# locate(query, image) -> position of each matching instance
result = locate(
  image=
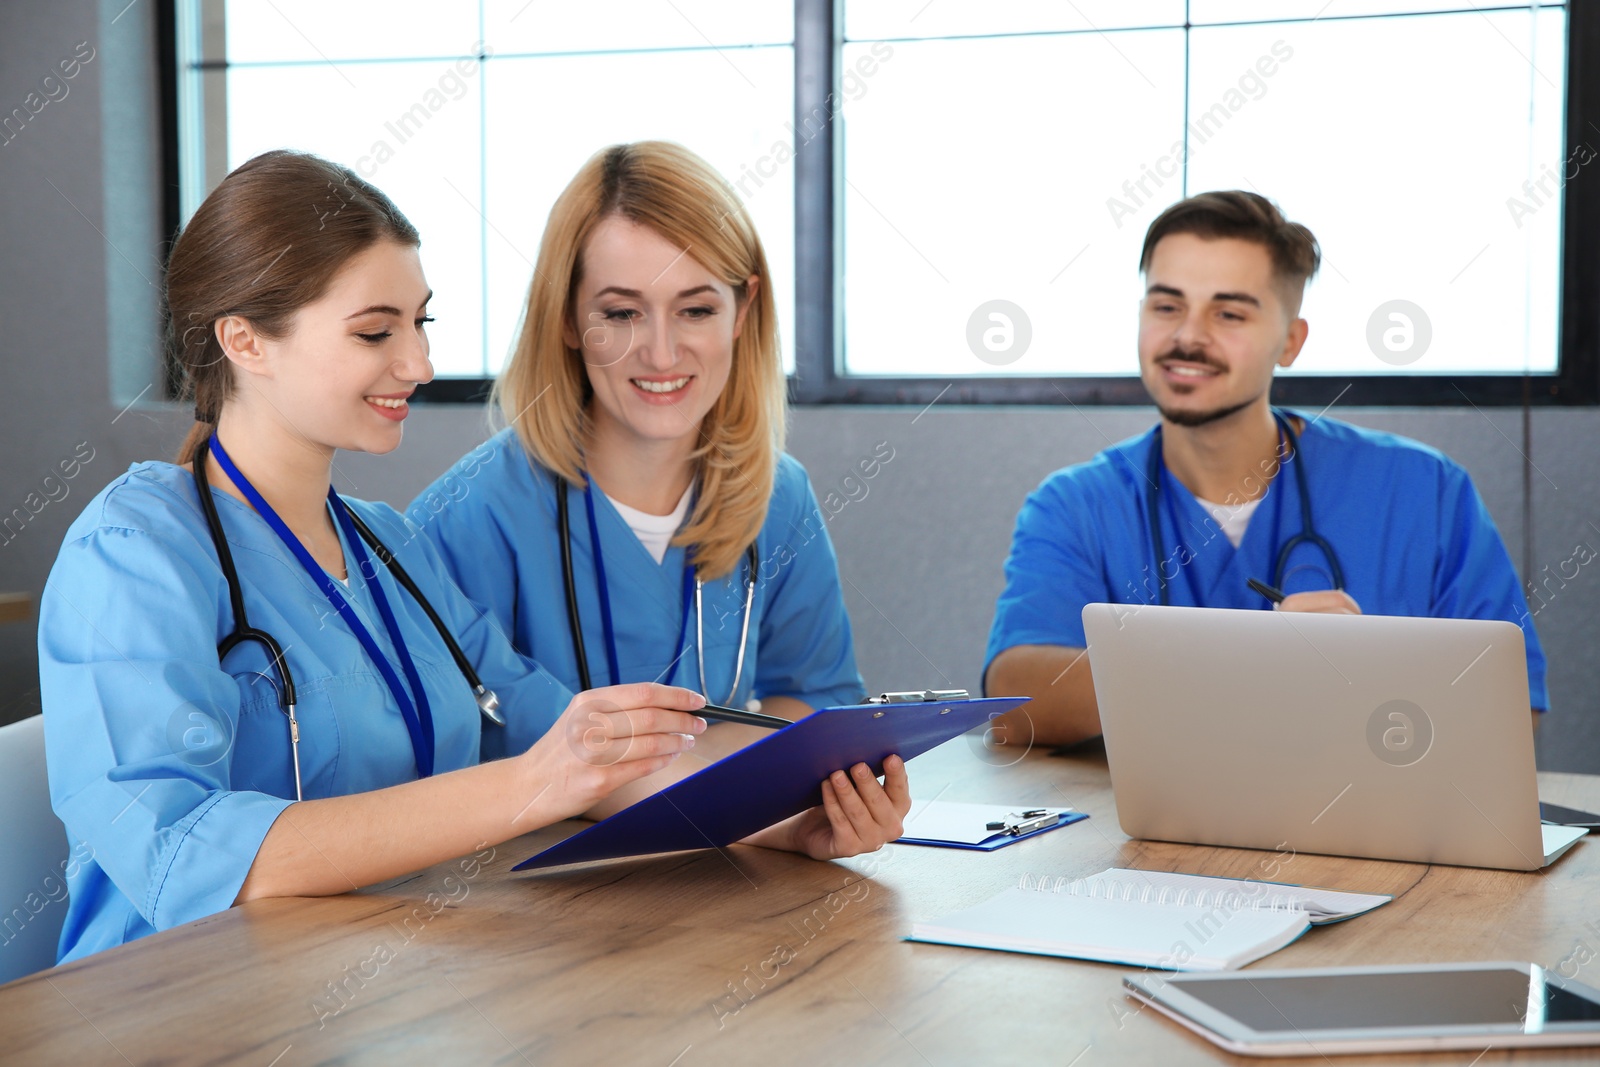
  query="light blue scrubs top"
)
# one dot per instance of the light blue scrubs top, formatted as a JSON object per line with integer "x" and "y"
{"x": 493, "y": 518}
{"x": 1409, "y": 529}
{"x": 171, "y": 766}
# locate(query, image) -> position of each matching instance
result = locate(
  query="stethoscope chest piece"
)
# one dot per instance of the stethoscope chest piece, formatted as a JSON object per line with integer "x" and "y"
{"x": 489, "y": 705}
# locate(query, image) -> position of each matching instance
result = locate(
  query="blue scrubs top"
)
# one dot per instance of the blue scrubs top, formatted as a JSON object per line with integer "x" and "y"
{"x": 1409, "y": 529}
{"x": 493, "y": 518}
{"x": 170, "y": 765}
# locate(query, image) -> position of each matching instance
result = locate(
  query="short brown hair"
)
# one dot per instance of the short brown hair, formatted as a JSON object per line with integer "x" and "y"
{"x": 266, "y": 242}
{"x": 1246, "y": 217}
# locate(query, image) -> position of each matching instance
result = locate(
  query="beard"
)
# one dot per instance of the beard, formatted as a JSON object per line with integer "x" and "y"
{"x": 1198, "y": 418}
{"x": 1202, "y": 418}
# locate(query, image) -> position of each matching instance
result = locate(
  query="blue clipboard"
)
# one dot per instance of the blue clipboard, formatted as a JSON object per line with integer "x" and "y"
{"x": 776, "y": 777}
{"x": 1000, "y": 840}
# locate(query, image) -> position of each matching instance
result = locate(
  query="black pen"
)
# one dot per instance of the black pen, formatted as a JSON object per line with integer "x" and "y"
{"x": 1272, "y": 593}
{"x": 748, "y": 718}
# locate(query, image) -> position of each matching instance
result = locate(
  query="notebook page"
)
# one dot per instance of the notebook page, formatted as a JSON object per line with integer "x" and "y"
{"x": 1320, "y": 905}
{"x": 1113, "y": 931}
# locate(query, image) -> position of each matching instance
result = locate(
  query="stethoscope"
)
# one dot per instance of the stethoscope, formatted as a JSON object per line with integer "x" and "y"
{"x": 418, "y": 725}
{"x": 692, "y": 588}
{"x": 1308, "y": 532}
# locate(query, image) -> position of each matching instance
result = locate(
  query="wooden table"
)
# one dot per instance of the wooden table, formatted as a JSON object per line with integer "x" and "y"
{"x": 15, "y": 607}
{"x": 749, "y": 956}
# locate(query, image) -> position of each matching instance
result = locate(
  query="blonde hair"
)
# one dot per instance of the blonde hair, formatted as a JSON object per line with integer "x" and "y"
{"x": 680, "y": 196}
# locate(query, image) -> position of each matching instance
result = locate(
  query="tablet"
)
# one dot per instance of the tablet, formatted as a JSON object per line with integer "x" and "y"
{"x": 1415, "y": 1007}
{"x": 1556, "y": 815}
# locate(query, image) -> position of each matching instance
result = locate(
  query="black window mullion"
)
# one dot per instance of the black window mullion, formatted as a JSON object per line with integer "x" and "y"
{"x": 1577, "y": 380}
{"x": 817, "y": 47}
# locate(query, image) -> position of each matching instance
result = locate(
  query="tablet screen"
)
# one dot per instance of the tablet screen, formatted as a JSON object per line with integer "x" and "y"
{"x": 1476, "y": 998}
{"x": 1567, "y": 816}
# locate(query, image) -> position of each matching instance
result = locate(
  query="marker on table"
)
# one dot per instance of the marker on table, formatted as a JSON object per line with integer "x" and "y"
{"x": 748, "y": 718}
{"x": 1272, "y": 593}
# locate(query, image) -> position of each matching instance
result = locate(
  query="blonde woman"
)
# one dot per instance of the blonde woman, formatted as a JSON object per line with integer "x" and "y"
{"x": 638, "y": 519}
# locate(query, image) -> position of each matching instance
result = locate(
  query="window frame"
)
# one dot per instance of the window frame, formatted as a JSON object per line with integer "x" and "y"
{"x": 819, "y": 378}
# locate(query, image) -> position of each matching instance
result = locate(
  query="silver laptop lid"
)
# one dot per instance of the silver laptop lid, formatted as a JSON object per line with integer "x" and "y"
{"x": 1352, "y": 735}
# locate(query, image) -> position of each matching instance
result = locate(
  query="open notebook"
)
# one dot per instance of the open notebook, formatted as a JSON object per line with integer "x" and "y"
{"x": 1176, "y": 922}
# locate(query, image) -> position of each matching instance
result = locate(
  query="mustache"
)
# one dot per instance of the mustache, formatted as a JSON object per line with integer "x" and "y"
{"x": 1186, "y": 356}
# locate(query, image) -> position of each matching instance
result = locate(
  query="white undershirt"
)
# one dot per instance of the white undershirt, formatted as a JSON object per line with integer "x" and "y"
{"x": 1232, "y": 518}
{"x": 654, "y": 531}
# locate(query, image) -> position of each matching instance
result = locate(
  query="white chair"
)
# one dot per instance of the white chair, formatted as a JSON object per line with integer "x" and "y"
{"x": 33, "y": 854}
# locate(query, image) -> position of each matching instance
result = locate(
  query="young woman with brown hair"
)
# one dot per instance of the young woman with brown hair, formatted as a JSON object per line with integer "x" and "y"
{"x": 643, "y": 475}
{"x": 297, "y": 309}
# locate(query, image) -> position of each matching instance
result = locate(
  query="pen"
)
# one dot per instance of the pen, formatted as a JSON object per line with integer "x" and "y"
{"x": 748, "y": 718}
{"x": 1038, "y": 822}
{"x": 1272, "y": 593}
{"x": 1037, "y": 819}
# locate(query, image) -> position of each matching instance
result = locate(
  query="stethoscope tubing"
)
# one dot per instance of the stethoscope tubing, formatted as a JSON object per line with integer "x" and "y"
{"x": 575, "y": 620}
{"x": 488, "y": 703}
{"x": 1308, "y": 534}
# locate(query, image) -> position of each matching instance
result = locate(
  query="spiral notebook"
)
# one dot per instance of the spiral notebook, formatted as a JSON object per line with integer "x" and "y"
{"x": 1175, "y": 922}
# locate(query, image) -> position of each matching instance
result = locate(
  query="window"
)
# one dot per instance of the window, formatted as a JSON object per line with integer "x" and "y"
{"x": 474, "y": 116}
{"x": 953, "y": 196}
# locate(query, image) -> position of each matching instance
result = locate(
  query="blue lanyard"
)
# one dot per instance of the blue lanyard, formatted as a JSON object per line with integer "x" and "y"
{"x": 418, "y": 716}
{"x": 605, "y": 595}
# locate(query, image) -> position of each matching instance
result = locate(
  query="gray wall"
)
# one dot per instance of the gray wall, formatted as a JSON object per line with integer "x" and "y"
{"x": 78, "y": 218}
{"x": 920, "y": 553}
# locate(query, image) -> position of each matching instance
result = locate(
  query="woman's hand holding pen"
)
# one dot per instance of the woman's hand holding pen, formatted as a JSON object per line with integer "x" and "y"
{"x": 604, "y": 739}
{"x": 857, "y": 815}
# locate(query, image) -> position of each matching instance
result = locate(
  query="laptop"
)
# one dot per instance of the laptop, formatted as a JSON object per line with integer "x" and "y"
{"x": 1352, "y": 735}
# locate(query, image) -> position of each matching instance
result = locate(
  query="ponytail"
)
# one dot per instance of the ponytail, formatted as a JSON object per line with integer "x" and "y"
{"x": 200, "y": 431}
{"x": 266, "y": 242}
